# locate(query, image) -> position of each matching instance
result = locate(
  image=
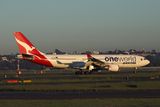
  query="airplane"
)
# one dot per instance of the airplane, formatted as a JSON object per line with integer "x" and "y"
{"x": 84, "y": 63}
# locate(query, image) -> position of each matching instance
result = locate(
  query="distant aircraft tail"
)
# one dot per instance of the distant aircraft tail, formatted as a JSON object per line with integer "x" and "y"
{"x": 28, "y": 51}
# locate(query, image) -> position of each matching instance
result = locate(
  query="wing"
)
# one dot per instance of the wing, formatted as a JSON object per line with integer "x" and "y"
{"x": 100, "y": 64}
{"x": 96, "y": 62}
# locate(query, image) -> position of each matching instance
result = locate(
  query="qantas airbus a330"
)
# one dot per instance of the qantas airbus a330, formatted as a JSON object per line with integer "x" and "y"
{"x": 87, "y": 62}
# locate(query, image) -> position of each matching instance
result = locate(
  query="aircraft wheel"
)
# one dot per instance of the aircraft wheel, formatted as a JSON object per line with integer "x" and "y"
{"x": 79, "y": 72}
{"x": 86, "y": 72}
{"x": 90, "y": 72}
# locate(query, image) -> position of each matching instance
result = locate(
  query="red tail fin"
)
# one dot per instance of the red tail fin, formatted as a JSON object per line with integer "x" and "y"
{"x": 25, "y": 46}
{"x": 29, "y": 52}
{"x": 23, "y": 43}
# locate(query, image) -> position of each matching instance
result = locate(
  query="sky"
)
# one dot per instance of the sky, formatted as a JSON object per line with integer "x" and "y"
{"x": 81, "y": 25}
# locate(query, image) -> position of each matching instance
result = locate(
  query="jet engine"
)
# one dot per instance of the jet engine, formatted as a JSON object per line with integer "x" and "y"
{"x": 113, "y": 68}
{"x": 91, "y": 67}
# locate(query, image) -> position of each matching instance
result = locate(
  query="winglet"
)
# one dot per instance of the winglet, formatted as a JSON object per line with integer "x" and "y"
{"x": 89, "y": 56}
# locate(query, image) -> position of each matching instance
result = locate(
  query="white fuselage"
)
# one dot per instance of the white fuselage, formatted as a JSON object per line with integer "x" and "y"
{"x": 123, "y": 61}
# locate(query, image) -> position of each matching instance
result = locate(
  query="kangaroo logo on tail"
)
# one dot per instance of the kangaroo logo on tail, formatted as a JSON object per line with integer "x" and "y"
{"x": 26, "y": 47}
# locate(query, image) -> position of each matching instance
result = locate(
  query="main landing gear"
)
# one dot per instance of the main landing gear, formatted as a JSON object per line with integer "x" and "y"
{"x": 135, "y": 70}
{"x": 82, "y": 72}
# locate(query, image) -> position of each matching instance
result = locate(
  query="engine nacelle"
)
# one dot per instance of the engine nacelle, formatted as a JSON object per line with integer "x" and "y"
{"x": 113, "y": 68}
{"x": 91, "y": 67}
